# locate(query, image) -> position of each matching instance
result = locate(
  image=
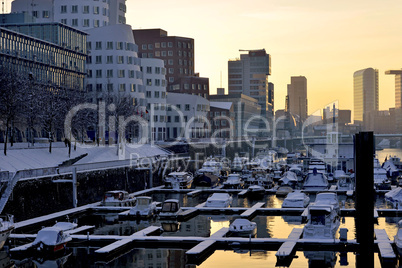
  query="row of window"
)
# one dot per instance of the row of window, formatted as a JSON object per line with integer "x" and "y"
{"x": 110, "y": 87}
{"x": 109, "y": 73}
{"x": 157, "y": 95}
{"x": 109, "y": 59}
{"x": 165, "y": 53}
{"x": 187, "y": 87}
{"x": 169, "y": 44}
{"x": 158, "y": 70}
{"x": 84, "y": 10}
{"x": 111, "y": 45}
{"x": 157, "y": 82}
{"x": 85, "y": 23}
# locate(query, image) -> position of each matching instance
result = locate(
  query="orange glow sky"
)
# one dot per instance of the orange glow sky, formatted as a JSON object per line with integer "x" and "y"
{"x": 326, "y": 41}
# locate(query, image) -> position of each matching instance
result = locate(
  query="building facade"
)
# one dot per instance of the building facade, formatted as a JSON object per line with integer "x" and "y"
{"x": 155, "y": 93}
{"x": 222, "y": 119}
{"x": 249, "y": 76}
{"x": 177, "y": 52}
{"x": 193, "y": 85}
{"x": 365, "y": 93}
{"x": 398, "y": 98}
{"x": 297, "y": 103}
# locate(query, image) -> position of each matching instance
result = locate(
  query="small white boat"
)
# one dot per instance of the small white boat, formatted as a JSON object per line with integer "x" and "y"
{"x": 6, "y": 226}
{"x": 296, "y": 199}
{"x": 233, "y": 181}
{"x": 255, "y": 191}
{"x": 284, "y": 190}
{"x": 289, "y": 178}
{"x": 315, "y": 181}
{"x": 322, "y": 221}
{"x": 211, "y": 166}
{"x": 170, "y": 209}
{"x": 118, "y": 198}
{"x": 395, "y": 197}
{"x": 179, "y": 180}
{"x": 144, "y": 207}
{"x": 329, "y": 198}
{"x": 51, "y": 240}
{"x": 220, "y": 200}
{"x": 398, "y": 238}
{"x": 243, "y": 227}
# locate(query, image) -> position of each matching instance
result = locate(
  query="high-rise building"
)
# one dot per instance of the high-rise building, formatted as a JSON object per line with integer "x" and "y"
{"x": 398, "y": 98}
{"x": 365, "y": 93}
{"x": 297, "y": 97}
{"x": 249, "y": 76}
{"x": 177, "y": 52}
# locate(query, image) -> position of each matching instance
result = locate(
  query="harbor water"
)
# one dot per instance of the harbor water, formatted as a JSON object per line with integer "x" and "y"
{"x": 80, "y": 255}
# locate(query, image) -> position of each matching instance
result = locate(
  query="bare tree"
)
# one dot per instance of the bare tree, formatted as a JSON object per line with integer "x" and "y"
{"x": 12, "y": 87}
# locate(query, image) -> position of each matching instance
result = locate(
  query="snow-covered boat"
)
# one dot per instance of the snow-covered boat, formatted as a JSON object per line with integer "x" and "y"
{"x": 289, "y": 178}
{"x": 297, "y": 169}
{"x": 65, "y": 226}
{"x": 329, "y": 198}
{"x": 398, "y": 238}
{"x": 317, "y": 164}
{"x": 118, "y": 198}
{"x": 392, "y": 170}
{"x": 284, "y": 190}
{"x": 51, "y": 240}
{"x": 238, "y": 164}
{"x": 345, "y": 183}
{"x": 144, "y": 207}
{"x": 395, "y": 197}
{"x": 255, "y": 191}
{"x": 206, "y": 180}
{"x": 220, "y": 200}
{"x": 6, "y": 226}
{"x": 211, "y": 166}
{"x": 381, "y": 181}
{"x": 170, "y": 209}
{"x": 296, "y": 199}
{"x": 243, "y": 227}
{"x": 338, "y": 174}
{"x": 322, "y": 219}
{"x": 315, "y": 181}
{"x": 233, "y": 181}
{"x": 178, "y": 180}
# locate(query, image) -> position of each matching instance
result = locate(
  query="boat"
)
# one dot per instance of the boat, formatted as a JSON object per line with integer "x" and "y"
{"x": 170, "y": 209}
{"x": 6, "y": 227}
{"x": 243, "y": 227}
{"x": 381, "y": 181}
{"x": 289, "y": 178}
{"x": 392, "y": 170}
{"x": 178, "y": 180}
{"x": 144, "y": 207}
{"x": 233, "y": 181}
{"x": 205, "y": 179}
{"x": 65, "y": 226}
{"x": 211, "y": 166}
{"x": 338, "y": 173}
{"x": 261, "y": 177}
{"x": 322, "y": 219}
{"x": 315, "y": 181}
{"x": 238, "y": 164}
{"x": 255, "y": 191}
{"x": 51, "y": 240}
{"x": 317, "y": 164}
{"x": 345, "y": 183}
{"x": 296, "y": 199}
{"x": 394, "y": 197}
{"x": 219, "y": 200}
{"x": 329, "y": 198}
{"x": 118, "y": 198}
{"x": 297, "y": 170}
{"x": 284, "y": 190}
{"x": 398, "y": 238}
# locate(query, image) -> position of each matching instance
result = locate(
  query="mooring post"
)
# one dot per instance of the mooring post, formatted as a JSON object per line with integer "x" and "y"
{"x": 364, "y": 221}
{"x": 75, "y": 200}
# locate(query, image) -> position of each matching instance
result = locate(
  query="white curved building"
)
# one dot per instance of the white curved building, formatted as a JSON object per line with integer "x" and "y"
{"x": 154, "y": 80}
{"x": 81, "y": 14}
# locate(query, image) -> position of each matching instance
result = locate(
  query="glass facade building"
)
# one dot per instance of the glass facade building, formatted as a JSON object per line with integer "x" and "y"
{"x": 365, "y": 93}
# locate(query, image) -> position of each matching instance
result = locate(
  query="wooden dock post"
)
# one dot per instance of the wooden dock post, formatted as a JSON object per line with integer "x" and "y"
{"x": 364, "y": 221}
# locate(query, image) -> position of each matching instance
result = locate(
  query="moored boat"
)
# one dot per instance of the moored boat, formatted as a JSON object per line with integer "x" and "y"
{"x": 220, "y": 200}
{"x": 315, "y": 181}
{"x": 118, "y": 198}
{"x": 243, "y": 227}
{"x": 6, "y": 227}
{"x": 178, "y": 180}
{"x": 170, "y": 209}
{"x": 233, "y": 181}
{"x": 296, "y": 199}
{"x": 144, "y": 207}
{"x": 51, "y": 240}
{"x": 255, "y": 191}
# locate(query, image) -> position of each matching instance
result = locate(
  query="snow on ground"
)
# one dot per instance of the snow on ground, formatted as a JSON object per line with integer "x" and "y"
{"x": 20, "y": 156}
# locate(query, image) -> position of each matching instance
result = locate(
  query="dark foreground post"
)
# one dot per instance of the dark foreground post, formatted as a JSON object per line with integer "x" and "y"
{"x": 364, "y": 221}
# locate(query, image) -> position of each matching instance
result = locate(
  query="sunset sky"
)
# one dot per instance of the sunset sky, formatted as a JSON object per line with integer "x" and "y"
{"x": 326, "y": 41}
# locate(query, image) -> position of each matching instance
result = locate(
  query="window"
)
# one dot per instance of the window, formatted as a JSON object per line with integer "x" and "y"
{"x": 74, "y": 22}
{"x": 85, "y": 10}
{"x": 171, "y": 71}
{"x": 169, "y": 119}
{"x": 85, "y": 23}
{"x": 170, "y": 62}
{"x": 163, "y": 95}
{"x": 150, "y": 46}
{"x": 110, "y": 87}
{"x": 156, "y": 94}
{"x": 98, "y": 73}
{"x": 45, "y": 14}
{"x": 74, "y": 9}
{"x": 178, "y": 106}
{"x": 149, "y": 70}
{"x": 131, "y": 74}
{"x": 109, "y": 45}
{"x": 121, "y": 73}
{"x": 157, "y": 70}
{"x": 98, "y": 45}
{"x": 148, "y": 94}
{"x": 109, "y": 59}
{"x": 119, "y": 45}
{"x": 155, "y": 118}
{"x": 149, "y": 82}
{"x": 157, "y": 45}
{"x": 98, "y": 87}
{"x": 157, "y": 82}
{"x": 63, "y": 9}
{"x": 64, "y": 21}
{"x": 35, "y": 14}
{"x": 163, "y": 44}
{"x": 186, "y": 86}
{"x": 89, "y": 87}
{"x": 89, "y": 73}
{"x": 170, "y": 53}
{"x": 177, "y": 119}
{"x": 96, "y": 10}
{"x": 187, "y": 107}
{"x": 122, "y": 87}
{"x": 120, "y": 59}
{"x": 170, "y": 44}
{"x": 96, "y": 23}
{"x": 98, "y": 59}
{"x": 109, "y": 73}
{"x": 133, "y": 88}
{"x": 163, "y": 53}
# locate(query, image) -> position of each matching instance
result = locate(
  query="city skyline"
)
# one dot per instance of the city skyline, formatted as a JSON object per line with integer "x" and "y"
{"x": 324, "y": 41}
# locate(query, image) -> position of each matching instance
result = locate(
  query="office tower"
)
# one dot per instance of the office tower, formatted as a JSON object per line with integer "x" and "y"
{"x": 365, "y": 93}
{"x": 297, "y": 97}
{"x": 398, "y": 98}
{"x": 177, "y": 52}
{"x": 249, "y": 76}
